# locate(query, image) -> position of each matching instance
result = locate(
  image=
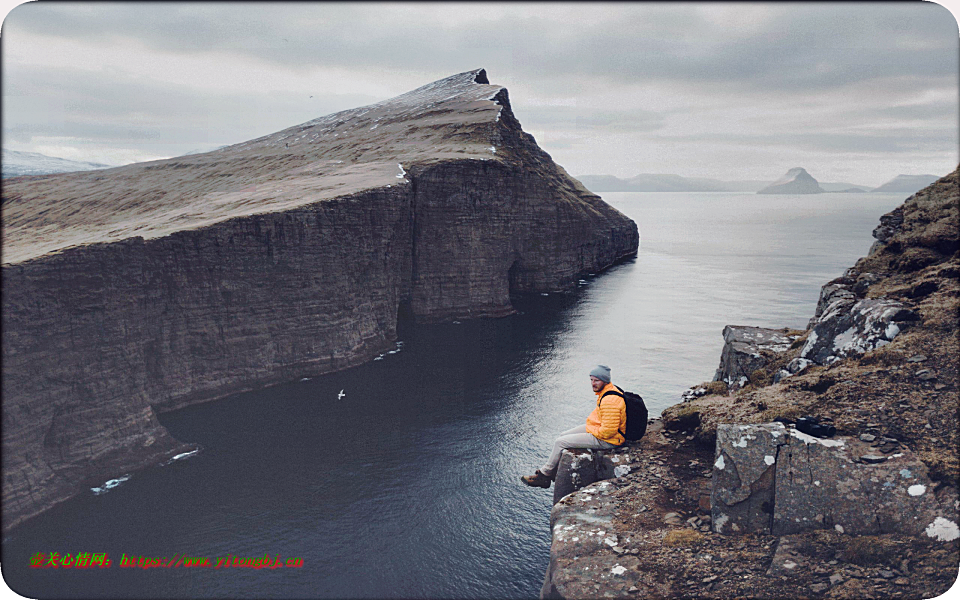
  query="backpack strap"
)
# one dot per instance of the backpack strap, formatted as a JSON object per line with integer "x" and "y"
{"x": 618, "y": 393}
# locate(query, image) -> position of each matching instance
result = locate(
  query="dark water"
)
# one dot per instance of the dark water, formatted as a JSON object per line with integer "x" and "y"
{"x": 407, "y": 486}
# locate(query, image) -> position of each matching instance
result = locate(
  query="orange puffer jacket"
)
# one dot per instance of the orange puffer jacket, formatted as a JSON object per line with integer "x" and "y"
{"x": 609, "y": 418}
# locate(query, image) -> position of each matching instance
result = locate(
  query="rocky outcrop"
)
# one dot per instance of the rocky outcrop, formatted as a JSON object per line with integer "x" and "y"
{"x": 772, "y": 479}
{"x": 152, "y": 286}
{"x": 795, "y": 181}
{"x": 870, "y": 513}
{"x": 579, "y": 468}
{"x": 747, "y": 349}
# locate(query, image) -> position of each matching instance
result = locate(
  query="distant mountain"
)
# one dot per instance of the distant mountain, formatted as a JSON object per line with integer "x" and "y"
{"x": 906, "y": 184}
{"x": 17, "y": 163}
{"x": 660, "y": 182}
{"x": 654, "y": 182}
{"x": 795, "y": 181}
{"x": 844, "y": 187}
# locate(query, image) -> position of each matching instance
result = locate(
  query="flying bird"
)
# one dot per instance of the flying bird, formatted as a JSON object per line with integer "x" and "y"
{"x": 340, "y": 395}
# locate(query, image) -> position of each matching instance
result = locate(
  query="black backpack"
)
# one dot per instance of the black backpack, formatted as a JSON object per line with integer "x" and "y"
{"x": 636, "y": 413}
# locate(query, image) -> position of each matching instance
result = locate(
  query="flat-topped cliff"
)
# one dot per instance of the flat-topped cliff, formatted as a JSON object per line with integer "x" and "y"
{"x": 151, "y": 286}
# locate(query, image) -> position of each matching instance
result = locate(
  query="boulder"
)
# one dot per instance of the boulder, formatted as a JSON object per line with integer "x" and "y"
{"x": 744, "y": 471}
{"x": 773, "y": 480}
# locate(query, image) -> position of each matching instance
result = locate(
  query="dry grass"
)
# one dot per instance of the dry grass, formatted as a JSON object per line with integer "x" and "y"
{"x": 681, "y": 537}
{"x": 870, "y": 550}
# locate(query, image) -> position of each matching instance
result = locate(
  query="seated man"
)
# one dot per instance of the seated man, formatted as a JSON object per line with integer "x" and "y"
{"x": 603, "y": 430}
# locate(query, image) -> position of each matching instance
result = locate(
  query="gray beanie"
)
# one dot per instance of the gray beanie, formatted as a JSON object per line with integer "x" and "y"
{"x": 601, "y": 372}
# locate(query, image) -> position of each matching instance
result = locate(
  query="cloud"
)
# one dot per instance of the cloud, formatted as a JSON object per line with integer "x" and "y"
{"x": 789, "y": 47}
{"x": 615, "y": 84}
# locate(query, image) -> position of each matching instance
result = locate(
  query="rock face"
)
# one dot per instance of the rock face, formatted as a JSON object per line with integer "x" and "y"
{"x": 871, "y": 513}
{"x": 744, "y": 350}
{"x": 579, "y": 468}
{"x": 796, "y": 181}
{"x": 849, "y": 328}
{"x": 152, "y": 286}
{"x": 773, "y": 480}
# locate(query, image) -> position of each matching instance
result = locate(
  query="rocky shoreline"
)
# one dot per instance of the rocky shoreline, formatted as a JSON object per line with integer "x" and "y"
{"x": 709, "y": 509}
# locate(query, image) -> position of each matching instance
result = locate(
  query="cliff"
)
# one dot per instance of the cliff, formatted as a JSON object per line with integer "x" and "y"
{"x": 721, "y": 501}
{"x": 795, "y": 181}
{"x": 148, "y": 287}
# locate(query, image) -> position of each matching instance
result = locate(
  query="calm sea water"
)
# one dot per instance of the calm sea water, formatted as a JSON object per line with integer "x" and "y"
{"x": 407, "y": 486}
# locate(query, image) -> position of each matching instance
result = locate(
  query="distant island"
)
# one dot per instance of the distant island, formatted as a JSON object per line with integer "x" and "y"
{"x": 658, "y": 182}
{"x": 663, "y": 182}
{"x": 794, "y": 181}
{"x": 907, "y": 183}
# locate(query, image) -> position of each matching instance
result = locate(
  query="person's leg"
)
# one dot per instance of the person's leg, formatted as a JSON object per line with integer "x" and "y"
{"x": 567, "y": 441}
{"x": 555, "y": 455}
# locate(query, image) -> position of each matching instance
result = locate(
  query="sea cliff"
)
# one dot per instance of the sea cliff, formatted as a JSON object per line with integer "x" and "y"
{"x": 724, "y": 498}
{"x": 145, "y": 288}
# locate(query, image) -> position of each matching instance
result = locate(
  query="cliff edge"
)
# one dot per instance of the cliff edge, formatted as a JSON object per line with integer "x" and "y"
{"x": 723, "y": 501}
{"x": 151, "y": 286}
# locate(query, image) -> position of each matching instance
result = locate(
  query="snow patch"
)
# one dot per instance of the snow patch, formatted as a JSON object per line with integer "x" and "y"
{"x": 769, "y": 459}
{"x": 720, "y": 464}
{"x": 916, "y": 490}
{"x": 621, "y": 471}
{"x": 618, "y": 570}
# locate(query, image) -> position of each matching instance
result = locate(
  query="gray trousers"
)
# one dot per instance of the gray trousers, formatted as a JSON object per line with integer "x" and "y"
{"x": 572, "y": 438}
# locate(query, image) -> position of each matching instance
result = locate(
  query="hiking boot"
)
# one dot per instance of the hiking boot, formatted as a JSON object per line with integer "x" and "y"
{"x": 538, "y": 479}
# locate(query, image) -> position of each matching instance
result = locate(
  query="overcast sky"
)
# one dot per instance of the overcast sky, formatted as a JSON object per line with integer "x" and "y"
{"x": 853, "y": 92}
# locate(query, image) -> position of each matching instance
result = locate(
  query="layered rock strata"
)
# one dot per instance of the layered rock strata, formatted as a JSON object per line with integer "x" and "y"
{"x": 152, "y": 286}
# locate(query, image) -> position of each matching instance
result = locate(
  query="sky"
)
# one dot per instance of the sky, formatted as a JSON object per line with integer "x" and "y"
{"x": 853, "y": 92}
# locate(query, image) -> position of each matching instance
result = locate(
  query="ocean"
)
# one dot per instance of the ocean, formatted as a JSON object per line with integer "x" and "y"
{"x": 400, "y": 478}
